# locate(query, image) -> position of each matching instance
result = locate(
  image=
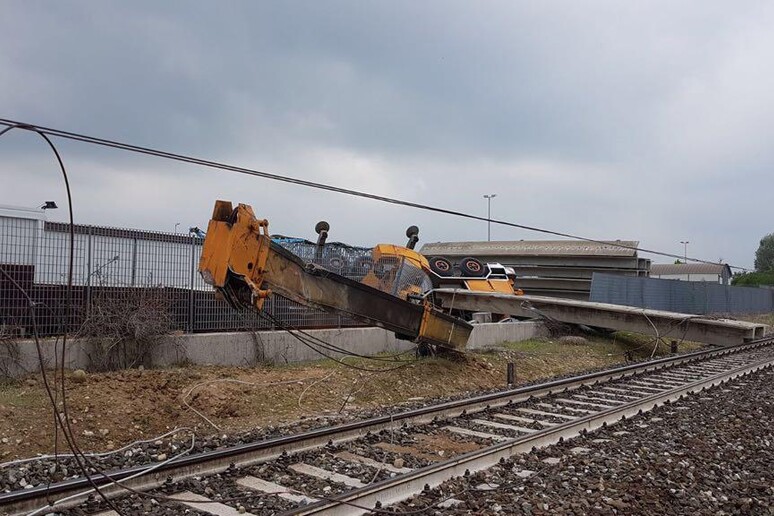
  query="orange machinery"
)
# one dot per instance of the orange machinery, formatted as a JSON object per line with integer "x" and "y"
{"x": 245, "y": 267}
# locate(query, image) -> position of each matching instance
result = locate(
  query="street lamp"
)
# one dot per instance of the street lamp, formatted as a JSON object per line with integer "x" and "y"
{"x": 176, "y": 224}
{"x": 49, "y": 205}
{"x": 685, "y": 255}
{"x": 489, "y": 215}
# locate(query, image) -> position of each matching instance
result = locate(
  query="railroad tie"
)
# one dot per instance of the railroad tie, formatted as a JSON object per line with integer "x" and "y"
{"x": 585, "y": 403}
{"x": 600, "y": 393}
{"x": 475, "y": 433}
{"x": 264, "y": 486}
{"x": 519, "y": 419}
{"x": 544, "y": 413}
{"x": 642, "y": 384}
{"x": 605, "y": 401}
{"x": 565, "y": 407}
{"x": 503, "y": 426}
{"x": 667, "y": 381}
{"x": 313, "y": 471}
{"x": 206, "y": 505}
{"x": 629, "y": 391}
{"x": 359, "y": 459}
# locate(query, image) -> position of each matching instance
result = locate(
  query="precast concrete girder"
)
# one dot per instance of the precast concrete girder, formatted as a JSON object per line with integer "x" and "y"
{"x": 669, "y": 325}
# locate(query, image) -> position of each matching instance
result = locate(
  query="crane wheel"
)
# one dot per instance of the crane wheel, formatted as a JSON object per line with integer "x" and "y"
{"x": 472, "y": 267}
{"x": 441, "y": 266}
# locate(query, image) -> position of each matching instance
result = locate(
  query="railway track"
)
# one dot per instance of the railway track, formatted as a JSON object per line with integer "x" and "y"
{"x": 351, "y": 468}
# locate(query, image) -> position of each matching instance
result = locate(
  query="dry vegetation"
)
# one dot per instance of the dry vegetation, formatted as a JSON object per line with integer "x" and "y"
{"x": 112, "y": 408}
{"x": 120, "y": 331}
{"x": 767, "y": 319}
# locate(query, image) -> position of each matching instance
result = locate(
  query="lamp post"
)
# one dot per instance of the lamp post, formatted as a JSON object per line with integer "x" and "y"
{"x": 176, "y": 224}
{"x": 685, "y": 255}
{"x": 489, "y": 215}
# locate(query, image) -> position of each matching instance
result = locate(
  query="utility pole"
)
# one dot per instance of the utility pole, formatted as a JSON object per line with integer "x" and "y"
{"x": 489, "y": 215}
{"x": 685, "y": 255}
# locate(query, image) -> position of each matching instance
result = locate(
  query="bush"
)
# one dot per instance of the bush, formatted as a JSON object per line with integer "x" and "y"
{"x": 123, "y": 328}
{"x": 753, "y": 279}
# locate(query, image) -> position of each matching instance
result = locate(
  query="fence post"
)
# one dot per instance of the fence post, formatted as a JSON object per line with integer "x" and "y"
{"x": 191, "y": 289}
{"x": 88, "y": 272}
{"x": 134, "y": 262}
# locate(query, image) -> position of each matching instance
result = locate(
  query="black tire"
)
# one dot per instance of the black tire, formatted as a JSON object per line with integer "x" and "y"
{"x": 472, "y": 268}
{"x": 424, "y": 350}
{"x": 441, "y": 266}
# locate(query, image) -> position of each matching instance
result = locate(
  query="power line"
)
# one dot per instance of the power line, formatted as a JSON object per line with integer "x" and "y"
{"x": 322, "y": 186}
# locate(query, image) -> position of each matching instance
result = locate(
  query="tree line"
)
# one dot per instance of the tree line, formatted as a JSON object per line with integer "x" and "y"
{"x": 764, "y": 266}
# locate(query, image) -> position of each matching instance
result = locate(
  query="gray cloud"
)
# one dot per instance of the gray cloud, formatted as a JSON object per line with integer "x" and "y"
{"x": 607, "y": 119}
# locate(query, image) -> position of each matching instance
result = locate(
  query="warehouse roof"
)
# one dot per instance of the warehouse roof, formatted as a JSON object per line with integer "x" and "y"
{"x": 533, "y": 248}
{"x": 677, "y": 269}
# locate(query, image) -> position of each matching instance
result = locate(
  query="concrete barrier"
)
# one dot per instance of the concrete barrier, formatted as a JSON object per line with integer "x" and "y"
{"x": 248, "y": 348}
{"x": 492, "y": 334}
{"x": 273, "y": 347}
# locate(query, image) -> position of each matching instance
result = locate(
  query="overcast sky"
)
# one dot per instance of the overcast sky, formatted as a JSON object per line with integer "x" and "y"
{"x": 647, "y": 121}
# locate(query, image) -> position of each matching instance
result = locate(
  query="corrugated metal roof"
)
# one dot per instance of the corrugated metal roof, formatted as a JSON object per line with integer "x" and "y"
{"x": 532, "y": 248}
{"x": 678, "y": 269}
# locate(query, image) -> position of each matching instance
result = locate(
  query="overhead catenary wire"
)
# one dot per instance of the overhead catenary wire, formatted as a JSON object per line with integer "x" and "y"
{"x": 323, "y": 186}
{"x": 43, "y": 132}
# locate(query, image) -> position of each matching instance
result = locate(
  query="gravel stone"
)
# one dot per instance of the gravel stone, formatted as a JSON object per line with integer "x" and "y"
{"x": 714, "y": 457}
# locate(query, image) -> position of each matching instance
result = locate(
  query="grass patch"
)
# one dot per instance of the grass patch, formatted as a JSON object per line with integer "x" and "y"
{"x": 767, "y": 319}
{"x": 616, "y": 345}
{"x": 20, "y": 396}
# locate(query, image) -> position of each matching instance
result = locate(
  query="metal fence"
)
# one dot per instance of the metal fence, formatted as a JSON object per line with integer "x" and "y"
{"x": 122, "y": 270}
{"x": 690, "y": 297}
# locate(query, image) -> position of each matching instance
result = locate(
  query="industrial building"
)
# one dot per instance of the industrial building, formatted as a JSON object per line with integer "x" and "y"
{"x": 559, "y": 268}
{"x": 712, "y": 272}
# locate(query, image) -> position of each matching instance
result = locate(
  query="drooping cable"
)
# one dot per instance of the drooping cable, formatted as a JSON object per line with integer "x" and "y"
{"x": 69, "y": 436}
{"x": 331, "y": 188}
{"x": 314, "y": 347}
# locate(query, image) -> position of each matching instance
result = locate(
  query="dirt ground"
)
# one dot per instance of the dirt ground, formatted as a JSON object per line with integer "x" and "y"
{"x": 108, "y": 410}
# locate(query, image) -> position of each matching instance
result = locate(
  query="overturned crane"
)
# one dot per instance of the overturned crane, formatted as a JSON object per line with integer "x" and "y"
{"x": 243, "y": 264}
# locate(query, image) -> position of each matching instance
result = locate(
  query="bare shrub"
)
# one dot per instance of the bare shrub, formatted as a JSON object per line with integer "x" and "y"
{"x": 122, "y": 327}
{"x": 10, "y": 354}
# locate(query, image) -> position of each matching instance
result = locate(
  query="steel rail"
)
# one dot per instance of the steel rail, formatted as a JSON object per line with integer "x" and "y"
{"x": 389, "y": 492}
{"x": 216, "y": 461}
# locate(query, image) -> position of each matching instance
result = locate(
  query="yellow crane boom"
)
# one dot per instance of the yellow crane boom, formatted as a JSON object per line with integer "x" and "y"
{"x": 242, "y": 263}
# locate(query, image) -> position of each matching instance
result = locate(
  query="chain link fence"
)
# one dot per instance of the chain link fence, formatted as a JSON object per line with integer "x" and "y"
{"x": 116, "y": 267}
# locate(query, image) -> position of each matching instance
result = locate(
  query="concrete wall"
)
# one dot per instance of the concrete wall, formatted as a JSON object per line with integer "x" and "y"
{"x": 492, "y": 334}
{"x": 248, "y": 349}
{"x": 275, "y": 347}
